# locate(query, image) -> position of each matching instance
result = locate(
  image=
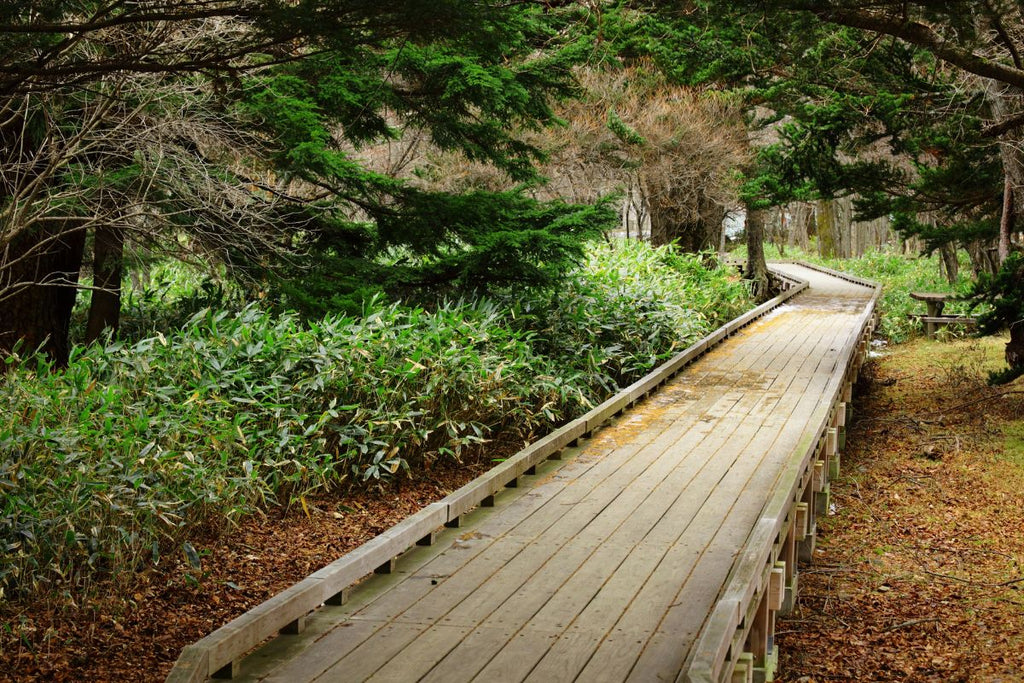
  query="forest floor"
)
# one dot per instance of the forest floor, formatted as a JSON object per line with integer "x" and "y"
{"x": 918, "y": 571}
{"x": 917, "y": 576}
{"x": 138, "y": 630}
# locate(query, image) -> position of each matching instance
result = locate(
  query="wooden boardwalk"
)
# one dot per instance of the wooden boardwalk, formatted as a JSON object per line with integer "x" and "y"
{"x": 604, "y": 566}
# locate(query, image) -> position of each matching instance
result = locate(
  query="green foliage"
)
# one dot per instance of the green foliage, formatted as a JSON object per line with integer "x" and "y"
{"x": 165, "y": 298}
{"x": 234, "y": 131}
{"x": 451, "y": 243}
{"x": 472, "y": 90}
{"x": 899, "y": 275}
{"x": 622, "y": 130}
{"x": 136, "y": 445}
{"x": 630, "y": 308}
{"x": 1005, "y": 376}
{"x": 1001, "y": 296}
{"x": 847, "y": 114}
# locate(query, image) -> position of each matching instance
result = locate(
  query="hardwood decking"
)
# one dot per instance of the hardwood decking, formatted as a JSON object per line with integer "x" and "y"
{"x": 604, "y": 566}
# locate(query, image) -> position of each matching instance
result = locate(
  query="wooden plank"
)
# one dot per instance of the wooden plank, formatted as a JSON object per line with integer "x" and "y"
{"x": 711, "y": 651}
{"x": 563, "y": 542}
{"x": 517, "y": 655}
{"x": 470, "y": 495}
{"x": 777, "y": 586}
{"x": 314, "y": 661}
{"x": 723, "y": 635}
{"x": 527, "y": 590}
{"x": 372, "y": 654}
{"x": 229, "y": 642}
{"x": 341, "y": 573}
{"x": 192, "y": 666}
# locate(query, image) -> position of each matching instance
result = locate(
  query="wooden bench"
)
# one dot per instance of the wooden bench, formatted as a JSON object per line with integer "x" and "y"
{"x": 932, "y": 323}
{"x": 934, "y": 318}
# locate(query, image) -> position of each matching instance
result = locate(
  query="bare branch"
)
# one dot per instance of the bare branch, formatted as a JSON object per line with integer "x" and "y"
{"x": 922, "y": 35}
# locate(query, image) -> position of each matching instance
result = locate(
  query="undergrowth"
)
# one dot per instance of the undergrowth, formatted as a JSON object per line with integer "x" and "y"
{"x": 899, "y": 275}
{"x": 139, "y": 443}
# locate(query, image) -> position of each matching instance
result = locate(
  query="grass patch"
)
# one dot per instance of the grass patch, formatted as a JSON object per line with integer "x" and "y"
{"x": 1013, "y": 446}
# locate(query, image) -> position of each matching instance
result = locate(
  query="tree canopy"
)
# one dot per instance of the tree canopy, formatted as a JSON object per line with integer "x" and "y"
{"x": 237, "y": 133}
{"x": 230, "y": 132}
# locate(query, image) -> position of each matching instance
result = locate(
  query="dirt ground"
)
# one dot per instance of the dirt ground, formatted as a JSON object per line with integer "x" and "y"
{"x": 918, "y": 572}
{"x": 137, "y": 634}
{"x": 917, "y": 576}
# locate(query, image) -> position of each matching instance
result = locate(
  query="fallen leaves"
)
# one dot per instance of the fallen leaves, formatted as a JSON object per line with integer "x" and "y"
{"x": 924, "y": 552}
{"x": 138, "y": 633}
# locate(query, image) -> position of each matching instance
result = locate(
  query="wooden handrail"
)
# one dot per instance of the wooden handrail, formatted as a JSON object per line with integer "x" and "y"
{"x": 717, "y": 654}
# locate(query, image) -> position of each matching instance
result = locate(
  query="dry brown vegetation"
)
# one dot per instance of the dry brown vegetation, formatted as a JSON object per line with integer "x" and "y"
{"x": 671, "y": 151}
{"x": 137, "y": 637}
{"x": 918, "y": 575}
{"x": 674, "y": 150}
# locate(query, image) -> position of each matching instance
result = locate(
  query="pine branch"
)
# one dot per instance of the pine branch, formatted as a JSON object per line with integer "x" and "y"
{"x": 924, "y": 36}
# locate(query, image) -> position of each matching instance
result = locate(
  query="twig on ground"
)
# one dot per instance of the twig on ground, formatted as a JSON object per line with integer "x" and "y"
{"x": 912, "y": 622}
{"x": 969, "y": 582}
{"x": 968, "y": 404}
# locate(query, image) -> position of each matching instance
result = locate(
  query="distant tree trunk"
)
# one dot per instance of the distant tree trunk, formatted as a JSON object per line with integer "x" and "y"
{"x": 825, "y": 221}
{"x": 950, "y": 264}
{"x": 1015, "y": 347}
{"x": 105, "y": 307}
{"x": 843, "y": 224}
{"x": 660, "y": 217}
{"x": 40, "y": 271}
{"x": 800, "y": 225}
{"x": 1006, "y": 221}
{"x": 1005, "y": 101}
{"x": 757, "y": 268}
{"x": 700, "y": 234}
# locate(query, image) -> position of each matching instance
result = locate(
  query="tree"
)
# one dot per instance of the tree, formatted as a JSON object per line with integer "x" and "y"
{"x": 707, "y": 46}
{"x": 672, "y": 149}
{"x": 227, "y": 129}
{"x": 90, "y": 96}
{"x": 850, "y": 114}
{"x": 973, "y": 51}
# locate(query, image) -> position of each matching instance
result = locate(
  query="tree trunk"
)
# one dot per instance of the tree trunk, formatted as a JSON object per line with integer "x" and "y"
{"x": 1015, "y": 347}
{"x": 843, "y": 209}
{"x": 950, "y": 264}
{"x": 757, "y": 269}
{"x": 712, "y": 217}
{"x": 825, "y": 219}
{"x": 982, "y": 258}
{"x": 660, "y": 228}
{"x": 105, "y": 307}
{"x": 800, "y": 225}
{"x": 1006, "y": 102}
{"x": 1006, "y": 221}
{"x": 40, "y": 272}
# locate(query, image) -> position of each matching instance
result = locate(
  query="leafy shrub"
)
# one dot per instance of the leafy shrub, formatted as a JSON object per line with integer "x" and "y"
{"x": 136, "y": 444}
{"x": 629, "y": 308}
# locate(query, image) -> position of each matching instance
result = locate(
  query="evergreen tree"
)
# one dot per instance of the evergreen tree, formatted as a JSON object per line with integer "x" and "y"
{"x": 258, "y": 110}
{"x": 908, "y": 123}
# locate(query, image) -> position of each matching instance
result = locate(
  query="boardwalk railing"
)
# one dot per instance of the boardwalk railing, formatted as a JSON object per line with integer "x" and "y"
{"x": 737, "y": 640}
{"x": 217, "y": 655}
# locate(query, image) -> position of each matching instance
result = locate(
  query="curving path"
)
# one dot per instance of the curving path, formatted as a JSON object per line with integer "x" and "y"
{"x": 605, "y": 566}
